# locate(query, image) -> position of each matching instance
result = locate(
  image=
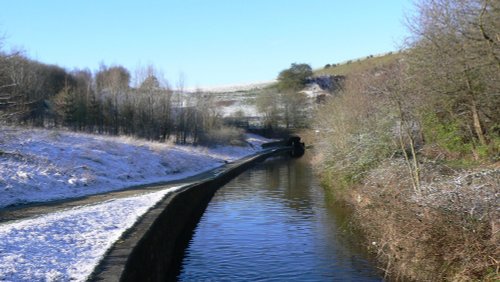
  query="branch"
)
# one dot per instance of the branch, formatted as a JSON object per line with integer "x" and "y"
{"x": 9, "y": 85}
{"x": 490, "y": 41}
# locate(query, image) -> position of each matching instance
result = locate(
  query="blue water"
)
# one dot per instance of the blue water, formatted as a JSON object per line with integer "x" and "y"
{"x": 274, "y": 223}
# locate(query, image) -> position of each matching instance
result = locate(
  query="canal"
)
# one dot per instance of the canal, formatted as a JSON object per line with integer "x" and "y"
{"x": 274, "y": 223}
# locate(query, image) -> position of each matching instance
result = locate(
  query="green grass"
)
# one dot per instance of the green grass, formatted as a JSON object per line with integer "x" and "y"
{"x": 355, "y": 66}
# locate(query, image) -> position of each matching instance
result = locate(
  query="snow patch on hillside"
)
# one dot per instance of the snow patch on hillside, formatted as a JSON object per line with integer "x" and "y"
{"x": 234, "y": 87}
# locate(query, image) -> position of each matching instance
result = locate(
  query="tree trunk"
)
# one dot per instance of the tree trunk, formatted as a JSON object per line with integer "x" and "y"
{"x": 477, "y": 123}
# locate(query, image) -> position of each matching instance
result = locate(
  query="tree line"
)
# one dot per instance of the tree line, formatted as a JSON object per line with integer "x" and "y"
{"x": 440, "y": 101}
{"x": 104, "y": 102}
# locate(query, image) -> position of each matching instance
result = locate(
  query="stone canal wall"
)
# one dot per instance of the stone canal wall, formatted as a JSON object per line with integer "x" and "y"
{"x": 152, "y": 249}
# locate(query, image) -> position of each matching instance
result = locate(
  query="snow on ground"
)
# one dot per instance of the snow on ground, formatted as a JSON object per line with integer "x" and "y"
{"x": 43, "y": 165}
{"x": 67, "y": 245}
{"x": 234, "y": 87}
{"x": 239, "y": 109}
{"x": 313, "y": 90}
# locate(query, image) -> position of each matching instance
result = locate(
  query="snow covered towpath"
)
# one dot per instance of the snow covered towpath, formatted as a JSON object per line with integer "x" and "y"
{"x": 40, "y": 166}
{"x": 67, "y": 245}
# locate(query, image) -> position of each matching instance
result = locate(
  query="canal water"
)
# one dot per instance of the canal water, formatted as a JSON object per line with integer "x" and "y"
{"x": 274, "y": 223}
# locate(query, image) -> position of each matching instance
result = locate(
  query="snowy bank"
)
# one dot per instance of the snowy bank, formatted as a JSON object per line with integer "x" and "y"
{"x": 67, "y": 245}
{"x": 43, "y": 165}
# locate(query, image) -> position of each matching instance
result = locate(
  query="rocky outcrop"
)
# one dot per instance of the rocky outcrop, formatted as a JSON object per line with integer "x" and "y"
{"x": 329, "y": 83}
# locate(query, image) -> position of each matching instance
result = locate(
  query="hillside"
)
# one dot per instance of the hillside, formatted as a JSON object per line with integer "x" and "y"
{"x": 240, "y": 101}
{"x": 358, "y": 65}
{"x": 412, "y": 145}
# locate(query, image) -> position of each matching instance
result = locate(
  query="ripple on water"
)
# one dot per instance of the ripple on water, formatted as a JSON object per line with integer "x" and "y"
{"x": 271, "y": 224}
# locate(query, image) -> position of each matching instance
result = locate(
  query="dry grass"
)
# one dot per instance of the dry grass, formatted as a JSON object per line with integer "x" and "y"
{"x": 358, "y": 66}
{"x": 425, "y": 240}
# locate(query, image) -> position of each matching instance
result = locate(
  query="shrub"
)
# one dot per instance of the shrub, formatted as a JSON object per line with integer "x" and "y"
{"x": 447, "y": 134}
{"x": 355, "y": 132}
{"x": 222, "y": 136}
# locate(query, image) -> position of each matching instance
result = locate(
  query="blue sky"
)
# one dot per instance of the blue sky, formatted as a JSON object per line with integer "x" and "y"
{"x": 216, "y": 42}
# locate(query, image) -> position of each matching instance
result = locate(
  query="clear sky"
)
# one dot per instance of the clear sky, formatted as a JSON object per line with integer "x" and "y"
{"x": 211, "y": 42}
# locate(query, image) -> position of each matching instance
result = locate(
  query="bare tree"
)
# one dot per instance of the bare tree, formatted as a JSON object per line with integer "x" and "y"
{"x": 294, "y": 107}
{"x": 394, "y": 84}
{"x": 111, "y": 84}
{"x": 268, "y": 105}
{"x": 454, "y": 57}
{"x": 27, "y": 85}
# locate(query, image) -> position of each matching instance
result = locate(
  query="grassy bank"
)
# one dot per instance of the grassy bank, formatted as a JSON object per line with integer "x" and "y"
{"x": 449, "y": 233}
{"x": 429, "y": 212}
{"x": 413, "y": 145}
{"x": 359, "y": 65}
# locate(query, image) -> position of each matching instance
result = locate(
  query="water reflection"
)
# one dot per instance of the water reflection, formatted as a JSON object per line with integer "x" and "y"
{"x": 272, "y": 223}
